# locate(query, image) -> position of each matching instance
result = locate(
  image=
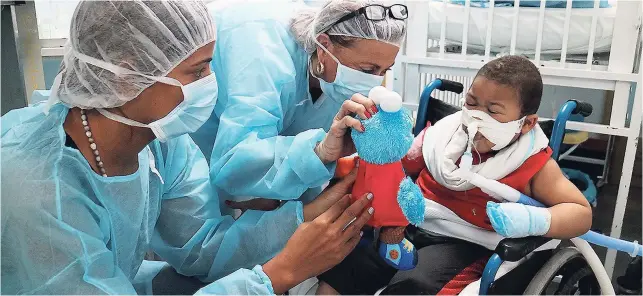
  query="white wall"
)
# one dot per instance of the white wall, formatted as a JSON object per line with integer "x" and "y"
{"x": 54, "y": 17}
{"x": 555, "y": 96}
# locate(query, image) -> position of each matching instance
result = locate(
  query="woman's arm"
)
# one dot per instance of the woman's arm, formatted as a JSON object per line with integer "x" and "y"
{"x": 241, "y": 282}
{"x": 249, "y": 158}
{"x": 315, "y": 247}
{"x": 60, "y": 250}
{"x": 571, "y": 214}
{"x": 193, "y": 236}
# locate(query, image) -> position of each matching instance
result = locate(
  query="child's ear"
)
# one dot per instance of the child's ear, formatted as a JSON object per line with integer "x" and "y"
{"x": 530, "y": 122}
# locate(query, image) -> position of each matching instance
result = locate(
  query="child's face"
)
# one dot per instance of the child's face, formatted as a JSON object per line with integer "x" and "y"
{"x": 499, "y": 101}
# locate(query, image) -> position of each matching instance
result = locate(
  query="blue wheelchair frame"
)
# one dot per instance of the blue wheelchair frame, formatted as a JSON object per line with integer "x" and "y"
{"x": 569, "y": 108}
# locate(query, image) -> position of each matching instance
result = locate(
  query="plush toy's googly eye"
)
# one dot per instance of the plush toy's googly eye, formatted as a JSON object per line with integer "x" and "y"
{"x": 392, "y": 102}
{"x": 377, "y": 93}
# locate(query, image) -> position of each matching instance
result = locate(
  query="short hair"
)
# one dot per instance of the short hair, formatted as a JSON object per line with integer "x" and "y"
{"x": 519, "y": 73}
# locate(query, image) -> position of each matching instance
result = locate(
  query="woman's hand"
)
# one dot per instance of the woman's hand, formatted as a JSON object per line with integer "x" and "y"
{"x": 319, "y": 245}
{"x": 329, "y": 196}
{"x": 338, "y": 142}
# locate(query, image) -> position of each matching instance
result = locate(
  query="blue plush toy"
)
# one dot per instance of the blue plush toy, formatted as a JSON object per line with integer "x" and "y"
{"x": 397, "y": 200}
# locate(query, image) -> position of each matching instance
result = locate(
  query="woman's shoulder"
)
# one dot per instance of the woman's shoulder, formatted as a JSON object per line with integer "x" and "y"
{"x": 177, "y": 156}
{"x": 238, "y": 13}
{"x": 24, "y": 124}
{"x": 32, "y": 143}
{"x": 41, "y": 178}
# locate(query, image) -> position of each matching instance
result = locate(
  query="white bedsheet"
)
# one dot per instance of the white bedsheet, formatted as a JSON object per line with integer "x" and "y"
{"x": 553, "y": 28}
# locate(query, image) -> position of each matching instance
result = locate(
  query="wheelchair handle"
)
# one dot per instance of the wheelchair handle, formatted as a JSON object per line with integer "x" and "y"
{"x": 570, "y": 107}
{"x": 439, "y": 84}
{"x": 582, "y": 108}
{"x": 452, "y": 86}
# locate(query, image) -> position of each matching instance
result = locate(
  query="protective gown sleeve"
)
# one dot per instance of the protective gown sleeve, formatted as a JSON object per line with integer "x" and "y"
{"x": 193, "y": 236}
{"x": 241, "y": 282}
{"x": 63, "y": 253}
{"x": 249, "y": 158}
{"x": 73, "y": 260}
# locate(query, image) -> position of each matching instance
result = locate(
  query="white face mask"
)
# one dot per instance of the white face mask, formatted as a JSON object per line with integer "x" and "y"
{"x": 348, "y": 81}
{"x": 498, "y": 133}
{"x": 199, "y": 99}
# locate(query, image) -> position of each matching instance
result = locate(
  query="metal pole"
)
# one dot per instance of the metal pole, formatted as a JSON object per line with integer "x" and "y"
{"x": 29, "y": 47}
{"x": 21, "y": 62}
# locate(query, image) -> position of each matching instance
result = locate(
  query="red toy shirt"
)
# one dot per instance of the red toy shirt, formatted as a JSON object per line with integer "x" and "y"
{"x": 384, "y": 182}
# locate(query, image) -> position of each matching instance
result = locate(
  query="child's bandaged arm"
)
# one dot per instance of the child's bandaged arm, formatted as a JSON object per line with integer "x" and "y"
{"x": 571, "y": 214}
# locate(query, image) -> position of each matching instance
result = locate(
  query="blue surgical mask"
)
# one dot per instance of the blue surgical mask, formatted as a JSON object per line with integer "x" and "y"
{"x": 348, "y": 81}
{"x": 199, "y": 98}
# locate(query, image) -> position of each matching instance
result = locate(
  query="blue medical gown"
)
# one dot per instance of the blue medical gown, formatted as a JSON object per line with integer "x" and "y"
{"x": 68, "y": 230}
{"x": 264, "y": 123}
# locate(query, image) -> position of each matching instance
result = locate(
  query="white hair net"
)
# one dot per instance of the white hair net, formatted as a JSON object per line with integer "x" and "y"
{"x": 309, "y": 23}
{"x": 117, "y": 49}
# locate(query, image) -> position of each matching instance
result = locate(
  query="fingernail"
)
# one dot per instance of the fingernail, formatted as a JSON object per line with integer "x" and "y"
{"x": 363, "y": 128}
{"x": 368, "y": 115}
{"x": 369, "y": 196}
{"x": 371, "y": 210}
{"x": 374, "y": 109}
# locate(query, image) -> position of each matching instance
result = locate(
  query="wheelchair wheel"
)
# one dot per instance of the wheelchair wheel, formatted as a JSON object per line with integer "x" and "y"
{"x": 577, "y": 277}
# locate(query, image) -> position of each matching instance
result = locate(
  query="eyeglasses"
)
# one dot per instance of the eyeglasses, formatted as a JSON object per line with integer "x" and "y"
{"x": 376, "y": 12}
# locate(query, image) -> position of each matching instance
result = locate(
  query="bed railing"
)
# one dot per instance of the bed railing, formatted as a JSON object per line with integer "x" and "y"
{"x": 607, "y": 61}
{"x": 619, "y": 18}
{"x": 611, "y": 69}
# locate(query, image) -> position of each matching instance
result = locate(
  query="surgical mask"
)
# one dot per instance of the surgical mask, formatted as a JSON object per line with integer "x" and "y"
{"x": 348, "y": 81}
{"x": 199, "y": 98}
{"x": 498, "y": 133}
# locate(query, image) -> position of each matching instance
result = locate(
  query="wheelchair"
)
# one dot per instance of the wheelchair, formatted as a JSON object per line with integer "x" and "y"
{"x": 563, "y": 265}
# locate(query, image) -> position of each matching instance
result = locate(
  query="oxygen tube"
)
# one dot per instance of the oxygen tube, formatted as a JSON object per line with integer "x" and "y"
{"x": 502, "y": 191}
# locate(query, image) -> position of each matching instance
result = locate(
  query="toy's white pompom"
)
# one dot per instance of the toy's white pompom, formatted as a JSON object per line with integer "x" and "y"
{"x": 392, "y": 102}
{"x": 377, "y": 93}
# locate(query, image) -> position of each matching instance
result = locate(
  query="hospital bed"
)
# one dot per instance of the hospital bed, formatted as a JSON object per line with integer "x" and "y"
{"x": 590, "y": 48}
{"x": 581, "y": 23}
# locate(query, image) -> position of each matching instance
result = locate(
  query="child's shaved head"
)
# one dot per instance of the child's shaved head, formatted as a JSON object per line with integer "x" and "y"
{"x": 520, "y": 74}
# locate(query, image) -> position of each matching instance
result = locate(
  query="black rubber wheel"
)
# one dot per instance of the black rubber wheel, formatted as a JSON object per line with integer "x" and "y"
{"x": 579, "y": 282}
{"x": 577, "y": 276}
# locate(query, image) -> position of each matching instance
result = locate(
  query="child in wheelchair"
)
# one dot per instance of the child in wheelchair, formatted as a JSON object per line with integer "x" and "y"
{"x": 463, "y": 224}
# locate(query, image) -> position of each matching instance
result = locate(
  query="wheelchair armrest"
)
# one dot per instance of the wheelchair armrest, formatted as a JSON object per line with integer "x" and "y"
{"x": 514, "y": 249}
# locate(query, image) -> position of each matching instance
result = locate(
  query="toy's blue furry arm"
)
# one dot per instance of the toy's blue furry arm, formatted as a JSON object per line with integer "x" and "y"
{"x": 411, "y": 201}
